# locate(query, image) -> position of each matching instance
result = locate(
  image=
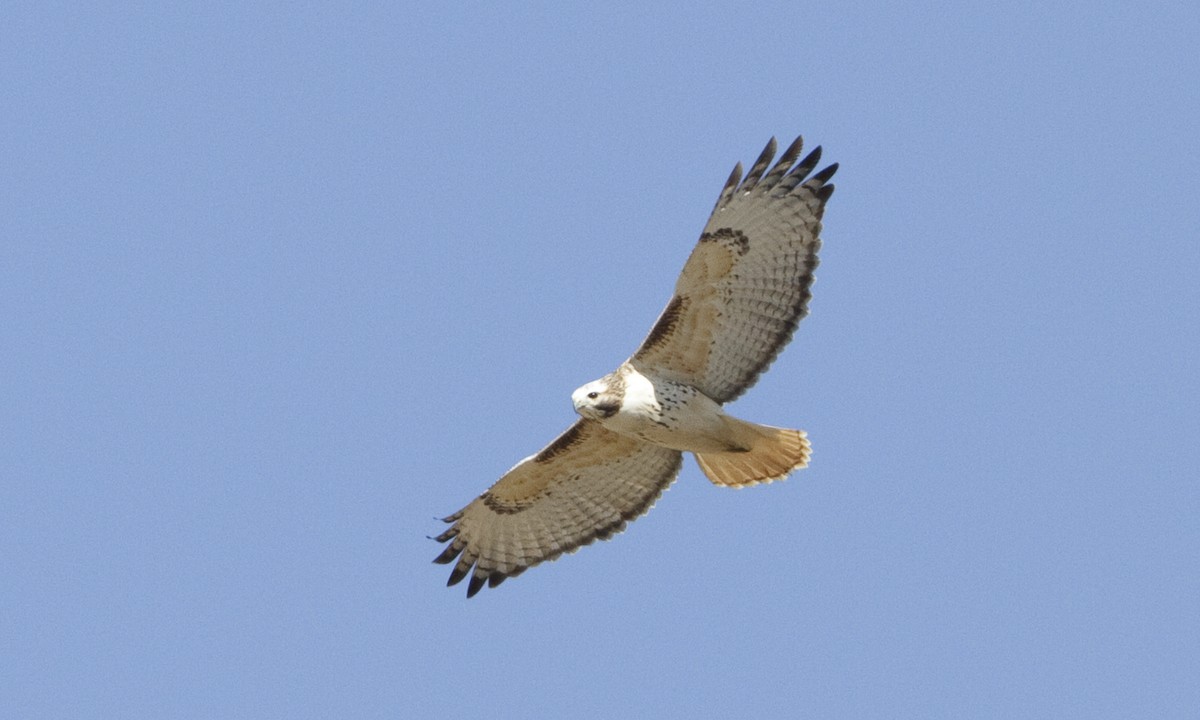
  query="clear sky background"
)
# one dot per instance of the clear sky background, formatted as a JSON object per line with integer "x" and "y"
{"x": 282, "y": 284}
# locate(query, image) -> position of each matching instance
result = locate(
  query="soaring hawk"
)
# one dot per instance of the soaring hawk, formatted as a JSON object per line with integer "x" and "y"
{"x": 736, "y": 305}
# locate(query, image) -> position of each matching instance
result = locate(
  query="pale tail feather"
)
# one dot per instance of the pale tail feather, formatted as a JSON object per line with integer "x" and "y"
{"x": 773, "y": 454}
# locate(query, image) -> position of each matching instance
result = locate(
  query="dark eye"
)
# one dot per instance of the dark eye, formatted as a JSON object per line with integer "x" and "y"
{"x": 593, "y": 395}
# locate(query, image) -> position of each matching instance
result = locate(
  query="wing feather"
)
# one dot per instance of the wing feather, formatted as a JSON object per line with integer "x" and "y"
{"x": 731, "y": 184}
{"x": 746, "y": 285}
{"x": 759, "y": 167}
{"x": 584, "y": 486}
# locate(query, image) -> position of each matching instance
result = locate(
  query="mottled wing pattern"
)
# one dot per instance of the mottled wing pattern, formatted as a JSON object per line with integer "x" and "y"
{"x": 745, "y": 287}
{"x": 584, "y": 486}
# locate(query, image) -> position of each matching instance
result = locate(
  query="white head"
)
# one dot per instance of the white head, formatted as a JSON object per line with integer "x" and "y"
{"x": 599, "y": 399}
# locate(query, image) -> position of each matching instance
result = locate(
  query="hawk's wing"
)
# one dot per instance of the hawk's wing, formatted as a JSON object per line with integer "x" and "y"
{"x": 746, "y": 285}
{"x": 583, "y": 486}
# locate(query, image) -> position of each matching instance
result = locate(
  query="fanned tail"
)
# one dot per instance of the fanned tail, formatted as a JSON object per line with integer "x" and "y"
{"x": 774, "y": 453}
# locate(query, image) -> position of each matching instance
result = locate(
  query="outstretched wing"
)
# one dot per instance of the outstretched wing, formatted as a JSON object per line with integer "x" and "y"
{"x": 586, "y": 485}
{"x": 746, "y": 285}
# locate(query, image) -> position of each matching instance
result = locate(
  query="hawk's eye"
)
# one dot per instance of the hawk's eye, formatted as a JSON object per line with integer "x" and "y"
{"x": 593, "y": 395}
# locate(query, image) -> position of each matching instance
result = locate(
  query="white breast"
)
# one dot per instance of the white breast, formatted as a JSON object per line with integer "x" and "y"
{"x": 639, "y": 398}
{"x": 669, "y": 414}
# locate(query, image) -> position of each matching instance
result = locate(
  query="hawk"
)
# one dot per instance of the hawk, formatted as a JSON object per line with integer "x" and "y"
{"x": 741, "y": 294}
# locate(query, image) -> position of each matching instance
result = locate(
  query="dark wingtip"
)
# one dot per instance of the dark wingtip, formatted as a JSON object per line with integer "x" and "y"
{"x": 826, "y": 173}
{"x": 793, "y": 151}
{"x": 448, "y": 555}
{"x": 784, "y": 163}
{"x": 809, "y": 162}
{"x": 760, "y": 166}
{"x": 731, "y": 184}
{"x": 457, "y": 574}
{"x": 476, "y": 584}
{"x": 735, "y": 177}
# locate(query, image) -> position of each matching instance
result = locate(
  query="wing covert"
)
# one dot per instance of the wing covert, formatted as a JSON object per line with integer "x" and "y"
{"x": 584, "y": 486}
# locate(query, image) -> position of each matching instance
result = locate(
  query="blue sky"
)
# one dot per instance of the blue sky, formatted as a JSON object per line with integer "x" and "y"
{"x": 283, "y": 284}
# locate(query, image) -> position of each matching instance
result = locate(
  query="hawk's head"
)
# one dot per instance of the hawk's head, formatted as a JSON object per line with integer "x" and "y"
{"x": 599, "y": 399}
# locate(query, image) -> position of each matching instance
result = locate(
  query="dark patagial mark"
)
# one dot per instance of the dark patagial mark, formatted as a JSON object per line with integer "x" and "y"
{"x": 665, "y": 325}
{"x": 561, "y": 444}
{"x": 730, "y": 238}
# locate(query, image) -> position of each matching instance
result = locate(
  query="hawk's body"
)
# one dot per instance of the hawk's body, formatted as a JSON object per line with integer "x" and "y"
{"x": 736, "y": 304}
{"x": 659, "y": 411}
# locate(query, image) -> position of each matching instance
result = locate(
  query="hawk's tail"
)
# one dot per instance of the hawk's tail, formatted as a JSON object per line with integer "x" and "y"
{"x": 773, "y": 454}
